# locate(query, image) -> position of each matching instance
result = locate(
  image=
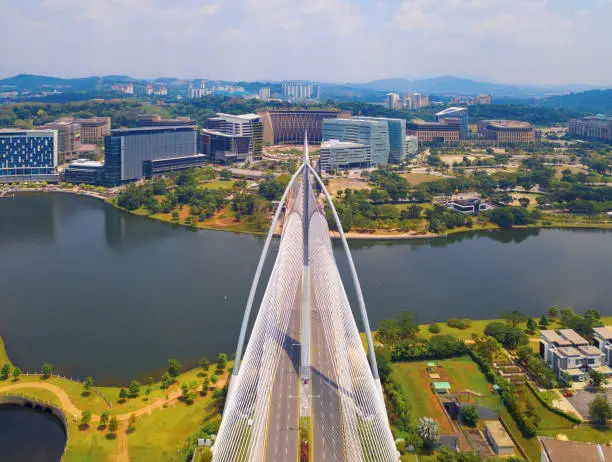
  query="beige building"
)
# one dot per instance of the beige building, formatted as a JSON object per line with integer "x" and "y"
{"x": 69, "y": 138}
{"x": 445, "y": 131}
{"x": 498, "y": 438}
{"x": 553, "y": 450}
{"x": 94, "y": 130}
{"x": 506, "y": 131}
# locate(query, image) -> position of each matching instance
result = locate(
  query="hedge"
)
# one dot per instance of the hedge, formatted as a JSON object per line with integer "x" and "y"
{"x": 571, "y": 417}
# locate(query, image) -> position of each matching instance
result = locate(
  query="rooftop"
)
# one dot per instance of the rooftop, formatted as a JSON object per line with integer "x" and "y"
{"x": 569, "y": 351}
{"x": 45, "y": 131}
{"x": 604, "y": 332}
{"x": 572, "y": 451}
{"x": 498, "y": 433}
{"x": 86, "y": 163}
{"x": 341, "y": 144}
{"x": 239, "y": 116}
{"x": 441, "y": 385}
{"x": 507, "y": 124}
{"x": 572, "y": 336}
{"x": 451, "y": 110}
{"x": 589, "y": 350}
{"x": 552, "y": 337}
{"x": 207, "y": 131}
{"x": 120, "y": 131}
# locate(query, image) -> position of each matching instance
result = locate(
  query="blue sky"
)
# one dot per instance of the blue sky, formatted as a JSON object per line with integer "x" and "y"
{"x": 510, "y": 41}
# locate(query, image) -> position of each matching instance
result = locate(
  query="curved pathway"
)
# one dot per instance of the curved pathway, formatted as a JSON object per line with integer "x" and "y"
{"x": 65, "y": 402}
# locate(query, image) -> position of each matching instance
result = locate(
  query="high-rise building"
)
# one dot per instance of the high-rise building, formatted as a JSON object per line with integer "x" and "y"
{"x": 369, "y": 132}
{"x": 95, "y": 129}
{"x": 460, "y": 113}
{"x": 126, "y": 150}
{"x": 225, "y": 148}
{"x": 28, "y": 155}
{"x": 287, "y": 126}
{"x": 154, "y": 120}
{"x": 149, "y": 90}
{"x": 591, "y": 128}
{"x": 392, "y": 101}
{"x": 248, "y": 126}
{"x": 295, "y": 91}
{"x": 339, "y": 155}
{"x": 198, "y": 92}
{"x": 397, "y": 137}
{"x": 69, "y": 138}
{"x": 415, "y": 101}
{"x": 506, "y": 131}
{"x": 264, "y": 92}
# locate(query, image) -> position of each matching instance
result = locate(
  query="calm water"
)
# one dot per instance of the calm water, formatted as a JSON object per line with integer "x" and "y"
{"x": 99, "y": 292}
{"x": 30, "y": 436}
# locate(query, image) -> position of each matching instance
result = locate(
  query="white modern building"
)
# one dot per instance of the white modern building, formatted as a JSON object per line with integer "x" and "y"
{"x": 243, "y": 125}
{"x": 392, "y": 101}
{"x": 264, "y": 93}
{"x": 602, "y": 336}
{"x": 340, "y": 155}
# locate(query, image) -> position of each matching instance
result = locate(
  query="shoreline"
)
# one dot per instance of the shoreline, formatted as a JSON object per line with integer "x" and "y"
{"x": 350, "y": 235}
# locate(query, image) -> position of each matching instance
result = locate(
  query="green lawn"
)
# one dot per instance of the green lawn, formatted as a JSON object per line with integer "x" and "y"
{"x": 163, "y": 435}
{"x": 3, "y": 354}
{"x": 37, "y": 394}
{"x": 218, "y": 184}
{"x": 477, "y": 327}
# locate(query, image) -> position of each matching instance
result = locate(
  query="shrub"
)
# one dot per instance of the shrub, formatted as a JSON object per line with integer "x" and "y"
{"x": 459, "y": 323}
{"x": 434, "y": 328}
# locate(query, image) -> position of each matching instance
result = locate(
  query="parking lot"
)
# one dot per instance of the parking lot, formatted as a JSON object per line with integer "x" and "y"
{"x": 582, "y": 399}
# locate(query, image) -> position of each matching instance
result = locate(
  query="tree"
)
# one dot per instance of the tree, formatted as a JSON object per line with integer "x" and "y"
{"x": 214, "y": 379}
{"x": 488, "y": 347}
{"x": 134, "y": 388}
{"x": 131, "y": 421}
{"x": 429, "y": 430}
{"x": 47, "y": 370}
{"x": 204, "y": 363}
{"x": 531, "y": 325}
{"x": 174, "y": 367}
{"x": 553, "y": 311}
{"x": 544, "y": 322}
{"x": 86, "y": 418}
{"x": 600, "y": 410}
{"x": 113, "y": 425}
{"x": 166, "y": 380}
{"x": 16, "y": 373}
{"x": 5, "y": 372}
{"x": 123, "y": 394}
{"x": 469, "y": 415}
{"x": 88, "y": 383}
{"x": 597, "y": 378}
{"x": 407, "y": 324}
{"x": 104, "y": 418}
{"x": 150, "y": 382}
{"x": 205, "y": 386}
{"x": 221, "y": 361}
{"x": 524, "y": 201}
{"x": 226, "y": 174}
{"x": 514, "y": 317}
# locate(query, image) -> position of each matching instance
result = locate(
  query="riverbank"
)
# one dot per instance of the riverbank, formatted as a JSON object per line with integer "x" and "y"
{"x": 154, "y": 424}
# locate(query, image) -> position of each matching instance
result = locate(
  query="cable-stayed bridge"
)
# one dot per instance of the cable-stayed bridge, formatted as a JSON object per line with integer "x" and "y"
{"x": 304, "y": 370}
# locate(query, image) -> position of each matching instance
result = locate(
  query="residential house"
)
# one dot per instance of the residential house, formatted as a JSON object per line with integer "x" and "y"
{"x": 602, "y": 336}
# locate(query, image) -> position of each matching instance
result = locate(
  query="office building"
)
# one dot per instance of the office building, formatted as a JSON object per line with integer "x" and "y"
{"x": 247, "y": 126}
{"x": 397, "y": 137}
{"x": 84, "y": 171}
{"x": 445, "y": 131}
{"x": 68, "y": 136}
{"x": 597, "y": 128}
{"x": 95, "y": 129}
{"x": 561, "y": 450}
{"x": 460, "y": 113}
{"x": 282, "y": 126}
{"x": 392, "y": 101}
{"x": 412, "y": 145}
{"x": 225, "y": 148}
{"x": 340, "y": 155}
{"x": 264, "y": 93}
{"x": 155, "y": 167}
{"x": 295, "y": 91}
{"x": 369, "y": 132}
{"x": 154, "y": 120}
{"x": 506, "y": 131}
{"x": 28, "y": 155}
{"x": 126, "y": 150}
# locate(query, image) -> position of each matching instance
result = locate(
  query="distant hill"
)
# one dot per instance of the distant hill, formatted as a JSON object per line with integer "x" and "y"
{"x": 593, "y": 101}
{"x": 462, "y": 86}
{"x": 39, "y": 82}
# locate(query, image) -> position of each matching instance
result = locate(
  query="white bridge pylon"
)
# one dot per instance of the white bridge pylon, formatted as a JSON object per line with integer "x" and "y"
{"x": 305, "y": 274}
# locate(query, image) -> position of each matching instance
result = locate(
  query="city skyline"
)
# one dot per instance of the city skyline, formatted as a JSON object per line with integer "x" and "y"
{"x": 533, "y": 42}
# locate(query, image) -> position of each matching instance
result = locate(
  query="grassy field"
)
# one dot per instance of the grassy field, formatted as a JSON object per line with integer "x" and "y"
{"x": 3, "y": 354}
{"x": 418, "y": 178}
{"x": 477, "y": 327}
{"x": 225, "y": 185}
{"x": 462, "y": 374}
{"x": 337, "y": 184}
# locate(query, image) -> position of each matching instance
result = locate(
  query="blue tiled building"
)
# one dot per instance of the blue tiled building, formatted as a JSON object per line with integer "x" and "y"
{"x": 28, "y": 154}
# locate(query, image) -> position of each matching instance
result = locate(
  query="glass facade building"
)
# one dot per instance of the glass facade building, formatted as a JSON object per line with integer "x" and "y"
{"x": 339, "y": 155}
{"x": 397, "y": 137}
{"x": 126, "y": 150}
{"x": 370, "y": 132}
{"x": 28, "y": 153}
{"x": 460, "y": 113}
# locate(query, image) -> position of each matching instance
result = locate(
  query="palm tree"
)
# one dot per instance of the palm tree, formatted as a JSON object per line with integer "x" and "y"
{"x": 428, "y": 430}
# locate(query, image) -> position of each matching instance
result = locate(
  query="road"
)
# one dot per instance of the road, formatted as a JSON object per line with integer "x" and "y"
{"x": 328, "y": 443}
{"x": 283, "y": 426}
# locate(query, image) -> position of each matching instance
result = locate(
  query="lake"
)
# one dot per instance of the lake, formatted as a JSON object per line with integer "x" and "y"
{"x": 96, "y": 291}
